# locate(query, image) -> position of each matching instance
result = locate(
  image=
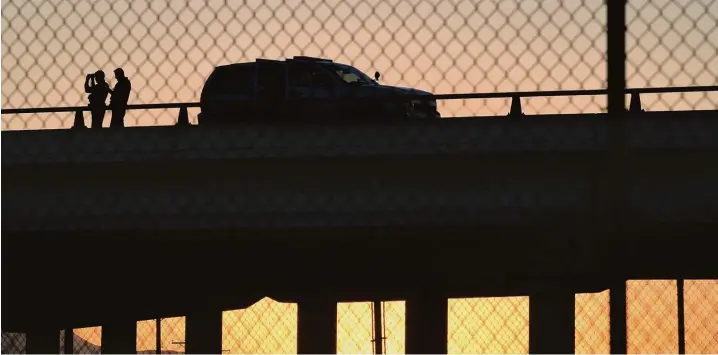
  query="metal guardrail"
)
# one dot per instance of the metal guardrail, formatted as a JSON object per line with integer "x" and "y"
{"x": 635, "y": 104}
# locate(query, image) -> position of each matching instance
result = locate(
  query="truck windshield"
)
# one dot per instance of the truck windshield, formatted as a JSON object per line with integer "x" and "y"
{"x": 349, "y": 74}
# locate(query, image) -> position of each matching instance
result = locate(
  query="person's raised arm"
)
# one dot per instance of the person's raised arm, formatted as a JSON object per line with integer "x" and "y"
{"x": 88, "y": 81}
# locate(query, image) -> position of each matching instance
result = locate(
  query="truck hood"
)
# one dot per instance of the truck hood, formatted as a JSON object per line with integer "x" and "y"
{"x": 403, "y": 90}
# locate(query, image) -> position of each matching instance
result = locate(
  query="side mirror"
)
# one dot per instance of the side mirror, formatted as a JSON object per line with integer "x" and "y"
{"x": 377, "y": 75}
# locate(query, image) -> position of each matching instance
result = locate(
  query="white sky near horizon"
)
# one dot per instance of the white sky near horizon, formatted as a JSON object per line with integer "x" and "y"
{"x": 168, "y": 48}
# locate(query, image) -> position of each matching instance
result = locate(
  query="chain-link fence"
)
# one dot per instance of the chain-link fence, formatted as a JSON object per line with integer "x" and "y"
{"x": 267, "y": 327}
{"x": 498, "y": 325}
{"x": 593, "y": 323}
{"x": 14, "y": 343}
{"x": 168, "y": 48}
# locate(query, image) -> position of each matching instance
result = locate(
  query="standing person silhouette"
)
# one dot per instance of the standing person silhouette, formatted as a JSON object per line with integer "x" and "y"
{"x": 98, "y": 89}
{"x": 119, "y": 98}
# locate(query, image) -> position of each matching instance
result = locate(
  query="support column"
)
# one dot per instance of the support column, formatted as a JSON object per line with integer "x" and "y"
{"x": 317, "y": 327}
{"x": 427, "y": 324}
{"x": 619, "y": 342}
{"x": 45, "y": 341}
{"x": 203, "y": 331}
{"x": 69, "y": 341}
{"x": 119, "y": 337}
{"x": 552, "y": 322}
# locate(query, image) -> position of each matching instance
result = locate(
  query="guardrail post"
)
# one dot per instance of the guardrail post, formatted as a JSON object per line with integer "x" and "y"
{"x": 79, "y": 120}
{"x": 183, "y": 119}
{"x": 203, "y": 332}
{"x": 516, "y": 106}
{"x": 119, "y": 337}
{"x": 42, "y": 341}
{"x": 426, "y": 322}
{"x": 551, "y": 319}
{"x": 635, "y": 105}
{"x": 317, "y": 326}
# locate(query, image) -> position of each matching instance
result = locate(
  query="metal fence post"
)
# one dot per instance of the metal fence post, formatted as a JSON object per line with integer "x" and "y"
{"x": 551, "y": 321}
{"x": 615, "y": 183}
{"x": 119, "y": 337}
{"x": 203, "y": 332}
{"x": 635, "y": 105}
{"x": 317, "y": 327}
{"x": 43, "y": 341}
{"x": 69, "y": 341}
{"x": 427, "y": 323}
{"x": 183, "y": 119}
{"x": 515, "y": 106}
{"x": 681, "y": 316}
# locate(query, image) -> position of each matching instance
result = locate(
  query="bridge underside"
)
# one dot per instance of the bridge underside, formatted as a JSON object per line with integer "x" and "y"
{"x": 87, "y": 278}
{"x": 167, "y": 222}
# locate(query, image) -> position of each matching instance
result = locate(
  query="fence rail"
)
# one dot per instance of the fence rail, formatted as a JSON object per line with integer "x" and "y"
{"x": 494, "y": 95}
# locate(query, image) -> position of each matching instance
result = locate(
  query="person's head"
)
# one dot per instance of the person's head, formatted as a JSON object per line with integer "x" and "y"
{"x": 100, "y": 75}
{"x": 119, "y": 73}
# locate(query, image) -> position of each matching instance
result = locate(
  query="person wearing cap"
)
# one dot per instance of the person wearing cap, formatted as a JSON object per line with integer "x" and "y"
{"x": 120, "y": 97}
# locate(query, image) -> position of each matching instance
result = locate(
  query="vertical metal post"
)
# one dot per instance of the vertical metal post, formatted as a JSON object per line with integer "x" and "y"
{"x": 317, "y": 326}
{"x": 158, "y": 335}
{"x": 619, "y": 342}
{"x": 378, "y": 334}
{"x": 69, "y": 341}
{"x": 681, "y": 317}
{"x": 42, "y": 341}
{"x": 552, "y": 321}
{"x": 426, "y": 322}
{"x": 616, "y": 56}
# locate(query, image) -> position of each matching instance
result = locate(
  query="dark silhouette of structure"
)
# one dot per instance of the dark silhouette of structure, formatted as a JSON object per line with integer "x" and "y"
{"x": 119, "y": 98}
{"x": 98, "y": 89}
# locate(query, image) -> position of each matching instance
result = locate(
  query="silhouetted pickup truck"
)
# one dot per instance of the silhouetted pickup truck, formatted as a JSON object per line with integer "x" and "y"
{"x": 304, "y": 89}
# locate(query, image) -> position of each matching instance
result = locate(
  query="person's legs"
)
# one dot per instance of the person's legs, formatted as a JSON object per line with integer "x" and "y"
{"x": 98, "y": 116}
{"x": 118, "y": 118}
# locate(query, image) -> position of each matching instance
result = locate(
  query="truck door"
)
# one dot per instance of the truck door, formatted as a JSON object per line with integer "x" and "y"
{"x": 271, "y": 87}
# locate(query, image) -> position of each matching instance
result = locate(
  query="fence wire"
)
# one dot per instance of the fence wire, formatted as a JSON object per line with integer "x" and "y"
{"x": 498, "y": 325}
{"x": 701, "y": 316}
{"x": 356, "y": 328}
{"x": 168, "y": 48}
{"x": 14, "y": 343}
{"x": 592, "y": 323}
{"x": 267, "y": 327}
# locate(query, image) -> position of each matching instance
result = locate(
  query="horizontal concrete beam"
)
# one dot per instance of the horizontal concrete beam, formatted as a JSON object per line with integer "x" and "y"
{"x": 544, "y": 133}
{"x": 524, "y": 190}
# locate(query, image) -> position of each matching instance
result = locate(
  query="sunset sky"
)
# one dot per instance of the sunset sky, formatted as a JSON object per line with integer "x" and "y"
{"x": 168, "y": 48}
{"x": 480, "y": 325}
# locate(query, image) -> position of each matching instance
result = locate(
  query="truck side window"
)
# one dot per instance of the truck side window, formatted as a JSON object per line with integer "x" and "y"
{"x": 306, "y": 75}
{"x": 300, "y": 74}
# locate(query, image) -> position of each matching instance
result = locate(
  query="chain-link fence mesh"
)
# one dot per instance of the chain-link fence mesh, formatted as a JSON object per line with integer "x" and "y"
{"x": 652, "y": 310}
{"x": 267, "y": 327}
{"x": 497, "y": 325}
{"x": 701, "y": 316}
{"x": 592, "y": 323}
{"x": 172, "y": 334}
{"x": 146, "y": 342}
{"x": 14, "y": 343}
{"x": 357, "y": 327}
{"x": 85, "y": 340}
{"x": 168, "y": 48}
{"x": 673, "y": 43}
